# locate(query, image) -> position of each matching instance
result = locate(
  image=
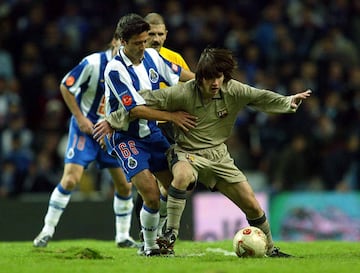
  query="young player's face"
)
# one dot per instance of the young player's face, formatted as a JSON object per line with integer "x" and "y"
{"x": 157, "y": 36}
{"x": 134, "y": 49}
{"x": 211, "y": 87}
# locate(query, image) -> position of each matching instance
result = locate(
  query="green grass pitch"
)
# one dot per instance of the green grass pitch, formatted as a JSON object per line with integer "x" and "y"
{"x": 93, "y": 256}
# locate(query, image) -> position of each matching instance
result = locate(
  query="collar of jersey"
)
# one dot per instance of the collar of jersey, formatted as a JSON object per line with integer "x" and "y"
{"x": 199, "y": 101}
{"x": 125, "y": 58}
{"x": 108, "y": 54}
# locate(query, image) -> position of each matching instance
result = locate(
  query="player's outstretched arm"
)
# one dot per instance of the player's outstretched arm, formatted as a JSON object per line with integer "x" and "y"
{"x": 181, "y": 119}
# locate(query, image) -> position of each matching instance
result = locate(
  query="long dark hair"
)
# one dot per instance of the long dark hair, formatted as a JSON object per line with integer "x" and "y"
{"x": 213, "y": 62}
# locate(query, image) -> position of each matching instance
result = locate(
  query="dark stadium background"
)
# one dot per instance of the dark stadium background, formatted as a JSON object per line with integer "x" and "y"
{"x": 286, "y": 46}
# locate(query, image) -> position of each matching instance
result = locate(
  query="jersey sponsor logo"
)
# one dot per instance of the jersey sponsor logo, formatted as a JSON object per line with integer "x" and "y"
{"x": 70, "y": 81}
{"x": 126, "y": 100}
{"x": 153, "y": 75}
{"x": 101, "y": 108}
{"x": 175, "y": 68}
{"x": 132, "y": 163}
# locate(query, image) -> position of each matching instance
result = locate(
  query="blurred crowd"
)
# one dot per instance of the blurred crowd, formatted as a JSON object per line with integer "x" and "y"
{"x": 285, "y": 45}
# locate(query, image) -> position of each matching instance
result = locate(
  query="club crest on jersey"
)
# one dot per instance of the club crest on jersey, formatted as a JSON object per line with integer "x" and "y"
{"x": 126, "y": 100}
{"x": 70, "y": 81}
{"x": 153, "y": 75}
{"x": 222, "y": 113}
{"x": 132, "y": 163}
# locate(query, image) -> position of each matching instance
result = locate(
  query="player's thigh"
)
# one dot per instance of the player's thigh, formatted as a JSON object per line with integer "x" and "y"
{"x": 243, "y": 196}
{"x": 71, "y": 175}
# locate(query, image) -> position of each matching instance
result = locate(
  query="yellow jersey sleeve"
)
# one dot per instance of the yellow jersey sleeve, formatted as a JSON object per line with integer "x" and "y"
{"x": 173, "y": 57}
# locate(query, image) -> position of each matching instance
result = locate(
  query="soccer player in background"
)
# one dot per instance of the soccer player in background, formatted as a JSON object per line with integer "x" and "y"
{"x": 83, "y": 91}
{"x": 214, "y": 99}
{"x": 141, "y": 146}
{"x": 156, "y": 39}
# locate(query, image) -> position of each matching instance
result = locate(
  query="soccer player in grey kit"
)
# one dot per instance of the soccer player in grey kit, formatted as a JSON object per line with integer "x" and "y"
{"x": 212, "y": 101}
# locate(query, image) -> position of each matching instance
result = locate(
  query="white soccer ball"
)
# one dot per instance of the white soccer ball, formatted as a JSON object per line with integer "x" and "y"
{"x": 250, "y": 242}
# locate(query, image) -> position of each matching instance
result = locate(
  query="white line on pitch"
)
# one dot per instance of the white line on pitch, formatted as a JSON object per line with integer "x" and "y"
{"x": 220, "y": 250}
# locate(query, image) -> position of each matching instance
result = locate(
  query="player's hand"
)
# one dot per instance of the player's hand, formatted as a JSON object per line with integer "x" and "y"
{"x": 102, "y": 129}
{"x": 102, "y": 144}
{"x": 85, "y": 125}
{"x": 183, "y": 120}
{"x": 299, "y": 97}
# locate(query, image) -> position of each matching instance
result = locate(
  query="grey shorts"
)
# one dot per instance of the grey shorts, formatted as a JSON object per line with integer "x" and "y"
{"x": 210, "y": 166}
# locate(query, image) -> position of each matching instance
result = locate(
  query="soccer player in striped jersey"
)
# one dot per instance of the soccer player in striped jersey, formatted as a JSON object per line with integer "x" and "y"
{"x": 83, "y": 91}
{"x": 140, "y": 147}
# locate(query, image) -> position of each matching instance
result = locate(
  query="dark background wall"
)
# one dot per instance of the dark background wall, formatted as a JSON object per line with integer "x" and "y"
{"x": 23, "y": 220}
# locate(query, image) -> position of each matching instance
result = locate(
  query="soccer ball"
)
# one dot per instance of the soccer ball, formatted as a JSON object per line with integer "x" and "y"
{"x": 250, "y": 242}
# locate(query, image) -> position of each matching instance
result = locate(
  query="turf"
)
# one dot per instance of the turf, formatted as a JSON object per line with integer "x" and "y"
{"x": 92, "y": 256}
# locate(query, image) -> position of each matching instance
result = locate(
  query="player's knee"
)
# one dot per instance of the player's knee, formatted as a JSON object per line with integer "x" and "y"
{"x": 151, "y": 197}
{"x": 123, "y": 189}
{"x": 69, "y": 182}
{"x": 183, "y": 178}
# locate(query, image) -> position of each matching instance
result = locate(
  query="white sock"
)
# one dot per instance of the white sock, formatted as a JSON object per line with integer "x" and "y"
{"x": 57, "y": 204}
{"x": 163, "y": 214}
{"x": 149, "y": 219}
{"x": 123, "y": 207}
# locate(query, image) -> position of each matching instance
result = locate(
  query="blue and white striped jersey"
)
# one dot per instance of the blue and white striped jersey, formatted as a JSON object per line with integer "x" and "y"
{"x": 124, "y": 80}
{"x": 86, "y": 82}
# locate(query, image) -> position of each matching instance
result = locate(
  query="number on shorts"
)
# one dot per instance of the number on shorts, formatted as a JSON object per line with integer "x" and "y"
{"x": 81, "y": 143}
{"x": 128, "y": 149}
